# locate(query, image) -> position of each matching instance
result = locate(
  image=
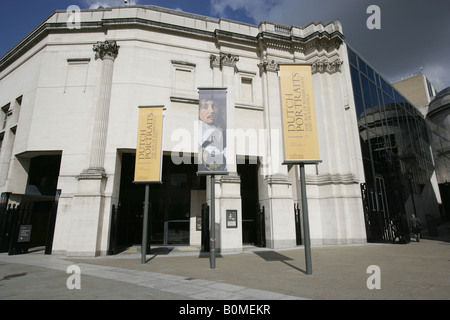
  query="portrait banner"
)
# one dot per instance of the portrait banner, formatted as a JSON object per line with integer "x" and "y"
{"x": 300, "y": 138}
{"x": 149, "y": 145}
{"x": 212, "y": 144}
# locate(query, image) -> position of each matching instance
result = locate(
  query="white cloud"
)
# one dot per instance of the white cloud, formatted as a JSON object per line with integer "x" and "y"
{"x": 258, "y": 10}
{"x": 94, "y": 4}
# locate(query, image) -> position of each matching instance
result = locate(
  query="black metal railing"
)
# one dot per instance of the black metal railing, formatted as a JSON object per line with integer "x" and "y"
{"x": 12, "y": 218}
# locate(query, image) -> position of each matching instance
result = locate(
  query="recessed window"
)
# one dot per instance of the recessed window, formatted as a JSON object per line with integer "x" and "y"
{"x": 77, "y": 73}
{"x": 183, "y": 78}
{"x": 246, "y": 89}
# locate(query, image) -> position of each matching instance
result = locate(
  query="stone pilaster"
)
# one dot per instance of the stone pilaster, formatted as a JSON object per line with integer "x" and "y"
{"x": 90, "y": 207}
{"x": 228, "y": 188}
{"x": 280, "y": 225}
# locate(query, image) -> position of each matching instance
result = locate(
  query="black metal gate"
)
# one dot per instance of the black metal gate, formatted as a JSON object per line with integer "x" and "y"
{"x": 114, "y": 236}
{"x": 382, "y": 225}
{"x": 205, "y": 228}
{"x": 12, "y": 218}
{"x": 298, "y": 225}
{"x": 18, "y": 223}
{"x": 260, "y": 226}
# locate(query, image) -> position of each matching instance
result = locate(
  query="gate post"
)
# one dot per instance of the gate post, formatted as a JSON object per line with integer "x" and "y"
{"x": 298, "y": 229}
{"x": 113, "y": 235}
{"x": 260, "y": 226}
{"x": 205, "y": 228}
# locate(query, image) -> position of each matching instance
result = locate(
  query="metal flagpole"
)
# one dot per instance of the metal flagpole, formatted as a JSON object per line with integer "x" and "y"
{"x": 212, "y": 257}
{"x": 145, "y": 225}
{"x": 305, "y": 220}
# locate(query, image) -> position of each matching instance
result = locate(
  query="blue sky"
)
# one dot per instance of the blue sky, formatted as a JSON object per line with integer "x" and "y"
{"x": 414, "y": 34}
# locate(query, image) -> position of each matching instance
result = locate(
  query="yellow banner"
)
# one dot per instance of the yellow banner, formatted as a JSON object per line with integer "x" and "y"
{"x": 300, "y": 139}
{"x": 149, "y": 145}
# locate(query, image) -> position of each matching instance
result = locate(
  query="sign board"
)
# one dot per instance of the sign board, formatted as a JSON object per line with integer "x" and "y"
{"x": 300, "y": 138}
{"x": 231, "y": 218}
{"x": 212, "y": 143}
{"x": 149, "y": 145}
{"x": 24, "y": 233}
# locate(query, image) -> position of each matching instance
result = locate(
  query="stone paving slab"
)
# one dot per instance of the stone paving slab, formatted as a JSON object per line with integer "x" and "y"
{"x": 413, "y": 271}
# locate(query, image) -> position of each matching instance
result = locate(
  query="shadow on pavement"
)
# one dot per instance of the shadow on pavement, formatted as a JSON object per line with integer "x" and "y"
{"x": 275, "y": 256}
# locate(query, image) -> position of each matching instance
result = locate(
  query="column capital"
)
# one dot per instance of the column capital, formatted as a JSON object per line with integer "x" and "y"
{"x": 228, "y": 60}
{"x": 215, "y": 61}
{"x": 224, "y": 60}
{"x": 106, "y": 49}
{"x": 324, "y": 65}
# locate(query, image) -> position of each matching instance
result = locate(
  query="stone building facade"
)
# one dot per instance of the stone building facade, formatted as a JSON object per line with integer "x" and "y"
{"x": 71, "y": 99}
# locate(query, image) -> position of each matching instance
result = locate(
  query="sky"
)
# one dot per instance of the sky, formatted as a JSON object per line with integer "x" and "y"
{"x": 412, "y": 36}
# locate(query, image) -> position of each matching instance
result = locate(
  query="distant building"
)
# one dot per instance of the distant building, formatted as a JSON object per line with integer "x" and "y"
{"x": 436, "y": 108}
{"x": 418, "y": 90}
{"x": 438, "y": 117}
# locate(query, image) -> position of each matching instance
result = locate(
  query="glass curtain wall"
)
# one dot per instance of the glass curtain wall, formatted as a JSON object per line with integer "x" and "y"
{"x": 395, "y": 148}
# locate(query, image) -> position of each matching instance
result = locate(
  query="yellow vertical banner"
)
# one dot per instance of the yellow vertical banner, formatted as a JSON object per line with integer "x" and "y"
{"x": 300, "y": 138}
{"x": 149, "y": 145}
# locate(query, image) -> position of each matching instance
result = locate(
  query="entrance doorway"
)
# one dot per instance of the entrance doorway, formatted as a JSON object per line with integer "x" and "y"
{"x": 36, "y": 213}
{"x": 250, "y": 202}
{"x": 170, "y": 204}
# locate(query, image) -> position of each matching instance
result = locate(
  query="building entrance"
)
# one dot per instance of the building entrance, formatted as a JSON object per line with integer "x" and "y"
{"x": 35, "y": 215}
{"x": 170, "y": 204}
{"x": 250, "y": 203}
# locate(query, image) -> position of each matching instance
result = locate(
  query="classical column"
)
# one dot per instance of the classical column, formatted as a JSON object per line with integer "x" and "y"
{"x": 106, "y": 51}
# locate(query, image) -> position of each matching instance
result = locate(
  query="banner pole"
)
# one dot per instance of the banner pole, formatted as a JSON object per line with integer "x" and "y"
{"x": 212, "y": 258}
{"x": 145, "y": 225}
{"x": 305, "y": 220}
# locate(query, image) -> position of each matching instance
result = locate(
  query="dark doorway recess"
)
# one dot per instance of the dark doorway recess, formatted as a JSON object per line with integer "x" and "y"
{"x": 169, "y": 211}
{"x": 250, "y": 201}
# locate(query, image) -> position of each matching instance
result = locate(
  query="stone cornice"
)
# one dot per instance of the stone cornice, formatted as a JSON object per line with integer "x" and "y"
{"x": 292, "y": 39}
{"x": 331, "y": 179}
{"x": 316, "y": 40}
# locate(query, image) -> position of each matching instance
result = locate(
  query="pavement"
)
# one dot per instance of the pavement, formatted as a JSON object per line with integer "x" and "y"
{"x": 412, "y": 271}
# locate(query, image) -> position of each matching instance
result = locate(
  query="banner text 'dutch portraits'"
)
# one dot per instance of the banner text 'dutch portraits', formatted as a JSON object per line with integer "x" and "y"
{"x": 300, "y": 139}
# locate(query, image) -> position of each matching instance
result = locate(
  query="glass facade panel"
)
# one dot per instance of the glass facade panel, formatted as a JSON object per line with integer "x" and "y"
{"x": 394, "y": 141}
{"x": 366, "y": 90}
{"x": 373, "y": 93}
{"x": 370, "y": 73}
{"x": 362, "y": 66}
{"x": 355, "y": 81}
{"x": 359, "y": 108}
{"x": 352, "y": 58}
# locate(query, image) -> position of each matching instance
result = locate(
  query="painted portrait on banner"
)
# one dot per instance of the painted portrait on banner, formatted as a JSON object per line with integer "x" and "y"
{"x": 212, "y": 131}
